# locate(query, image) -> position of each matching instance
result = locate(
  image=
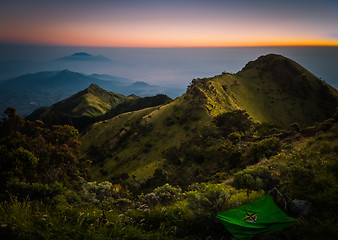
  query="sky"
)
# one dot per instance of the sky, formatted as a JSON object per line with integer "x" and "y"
{"x": 169, "y": 23}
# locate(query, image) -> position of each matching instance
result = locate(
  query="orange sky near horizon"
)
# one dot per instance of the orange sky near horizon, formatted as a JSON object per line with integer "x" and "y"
{"x": 159, "y": 24}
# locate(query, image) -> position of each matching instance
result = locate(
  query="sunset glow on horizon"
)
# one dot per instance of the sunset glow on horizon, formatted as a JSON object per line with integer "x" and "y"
{"x": 151, "y": 23}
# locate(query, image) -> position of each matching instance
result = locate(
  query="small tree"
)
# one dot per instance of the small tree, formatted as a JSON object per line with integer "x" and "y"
{"x": 99, "y": 192}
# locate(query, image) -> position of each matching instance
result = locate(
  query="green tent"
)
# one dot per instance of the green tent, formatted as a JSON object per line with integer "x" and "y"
{"x": 257, "y": 217}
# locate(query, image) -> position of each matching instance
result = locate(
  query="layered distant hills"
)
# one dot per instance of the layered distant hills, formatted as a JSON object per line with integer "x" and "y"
{"x": 30, "y": 91}
{"x": 78, "y": 62}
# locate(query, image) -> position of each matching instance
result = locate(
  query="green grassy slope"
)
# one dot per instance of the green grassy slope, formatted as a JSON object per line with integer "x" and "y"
{"x": 93, "y": 101}
{"x": 132, "y": 143}
{"x": 93, "y": 105}
{"x": 271, "y": 89}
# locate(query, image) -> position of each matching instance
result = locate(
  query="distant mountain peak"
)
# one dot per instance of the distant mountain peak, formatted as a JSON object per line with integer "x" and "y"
{"x": 140, "y": 84}
{"x": 64, "y": 71}
{"x": 83, "y": 56}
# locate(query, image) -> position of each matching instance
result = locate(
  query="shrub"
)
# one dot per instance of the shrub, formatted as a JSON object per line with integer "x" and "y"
{"x": 35, "y": 191}
{"x": 257, "y": 178}
{"x": 123, "y": 203}
{"x": 266, "y": 129}
{"x": 205, "y": 198}
{"x": 265, "y": 148}
{"x": 99, "y": 192}
{"x": 243, "y": 180}
{"x": 294, "y": 127}
{"x": 235, "y": 121}
{"x": 165, "y": 194}
{"x": 234, "y": 137}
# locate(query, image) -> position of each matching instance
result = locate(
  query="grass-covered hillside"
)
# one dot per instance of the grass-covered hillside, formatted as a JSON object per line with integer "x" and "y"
{"x": 131, "y": 144}
{"x": 273, "y": 90}
{"x": 42, "y": 198}
{"x": 93, "y": 101}
{"x": 92, "y": 105}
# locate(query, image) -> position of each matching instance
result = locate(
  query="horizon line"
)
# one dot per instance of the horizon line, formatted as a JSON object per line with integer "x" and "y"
{"x": 173, "y": 46}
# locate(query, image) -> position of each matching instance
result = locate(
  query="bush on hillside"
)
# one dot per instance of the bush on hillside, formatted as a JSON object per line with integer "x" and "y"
{"x": 234, "y": 137}
{"x": 257, "y": 178}
{"x": 165, "y": 194}
{"x": 266, "y": 129}
{"x": 209, "y": 198}
{"x": 247, "y": 181}
{"x": 33, "y": 153}
{"x": 263, "y": 149}
{"x": 234, "y": 121}
{"x": 35, "y": 191}
{"x": 294, "y": 127}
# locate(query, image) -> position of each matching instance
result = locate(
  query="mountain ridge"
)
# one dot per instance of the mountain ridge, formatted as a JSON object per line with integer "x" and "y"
{"x": 93, "y": 101}
{"x": 178, "y": 122}
{"x": 91, "y": 105}
{"x": 263, "y": 84}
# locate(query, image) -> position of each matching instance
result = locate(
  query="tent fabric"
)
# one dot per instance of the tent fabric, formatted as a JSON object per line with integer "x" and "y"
{"x": 259, "y": 216}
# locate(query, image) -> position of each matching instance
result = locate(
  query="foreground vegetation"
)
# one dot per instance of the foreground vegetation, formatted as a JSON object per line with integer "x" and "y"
{"x": 42, "y": 198}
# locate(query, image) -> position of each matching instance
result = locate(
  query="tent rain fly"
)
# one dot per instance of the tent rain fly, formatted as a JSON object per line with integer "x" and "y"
{"x": 259, "y": 216}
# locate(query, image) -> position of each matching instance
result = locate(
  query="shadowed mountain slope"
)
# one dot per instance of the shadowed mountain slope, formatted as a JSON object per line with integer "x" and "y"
{"x": 92, "y": 105}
